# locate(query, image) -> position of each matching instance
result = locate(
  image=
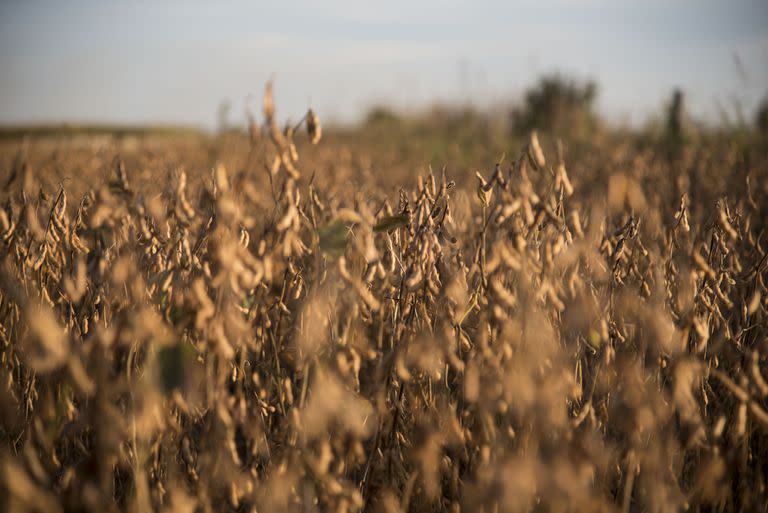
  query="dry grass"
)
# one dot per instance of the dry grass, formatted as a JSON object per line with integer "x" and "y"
{"x": 284, "y": 334}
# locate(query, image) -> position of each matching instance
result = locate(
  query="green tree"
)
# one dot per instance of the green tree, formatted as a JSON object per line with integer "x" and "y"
{"x": 556, "y": 104}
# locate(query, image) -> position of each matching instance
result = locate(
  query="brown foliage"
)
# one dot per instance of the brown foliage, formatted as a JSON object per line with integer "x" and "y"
{"x": 263, "y": 338}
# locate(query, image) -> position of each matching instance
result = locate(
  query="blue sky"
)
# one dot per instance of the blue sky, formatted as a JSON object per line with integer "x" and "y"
{"x": 175, "y": 61}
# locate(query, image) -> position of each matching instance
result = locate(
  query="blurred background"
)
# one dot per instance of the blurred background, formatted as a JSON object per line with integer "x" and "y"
{"x": 203, "y": 64}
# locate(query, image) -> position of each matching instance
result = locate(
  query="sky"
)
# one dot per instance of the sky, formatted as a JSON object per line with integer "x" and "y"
{"x": 168, "y": 61}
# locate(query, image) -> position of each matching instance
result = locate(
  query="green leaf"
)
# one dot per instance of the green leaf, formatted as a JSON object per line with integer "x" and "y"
{"x": 333, "y": 237}
{"x": 594, "y": 340}
{"x": 174, "y": 364}
{"x": 390, "y": 223}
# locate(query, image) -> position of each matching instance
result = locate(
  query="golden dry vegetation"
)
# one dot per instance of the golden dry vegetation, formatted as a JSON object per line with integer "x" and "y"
{"x": 217, "y": 324}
